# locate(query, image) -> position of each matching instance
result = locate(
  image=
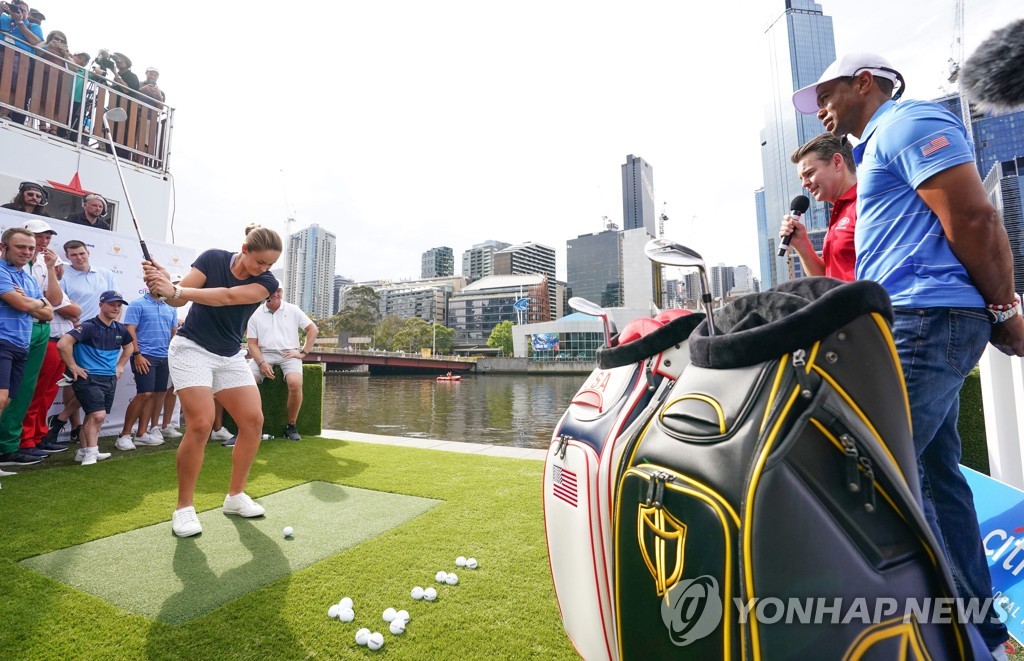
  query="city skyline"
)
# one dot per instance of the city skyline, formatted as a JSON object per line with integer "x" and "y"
{"x": 452, "y": 130}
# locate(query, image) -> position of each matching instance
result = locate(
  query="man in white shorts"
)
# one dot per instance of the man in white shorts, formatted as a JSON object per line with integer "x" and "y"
{"x": 273, "y": 339}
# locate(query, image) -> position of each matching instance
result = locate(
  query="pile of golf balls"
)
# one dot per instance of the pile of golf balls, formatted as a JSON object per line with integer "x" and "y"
{"x": 468, "y": 563}
{"x": 342, "y": 610}
{"x": 398, "y": 620}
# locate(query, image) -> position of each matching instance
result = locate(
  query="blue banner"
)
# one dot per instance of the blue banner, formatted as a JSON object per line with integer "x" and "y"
{"x": 523, "y": 304}
{"x": 1001, "y": 517}
{"x": 545, "y": 342}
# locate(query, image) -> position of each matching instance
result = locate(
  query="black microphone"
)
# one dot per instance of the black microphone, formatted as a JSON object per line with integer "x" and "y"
{"x": 993, "y": 76}
{"x": 797, "y": 207}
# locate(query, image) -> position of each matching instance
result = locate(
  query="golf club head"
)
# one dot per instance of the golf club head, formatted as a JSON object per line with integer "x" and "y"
{"x": 594, "y": 310}
{"x": 663, "y": 251}
{"x": 115, "y": 115}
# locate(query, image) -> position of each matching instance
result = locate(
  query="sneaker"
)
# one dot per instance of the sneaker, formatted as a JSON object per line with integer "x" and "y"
{"x": 185, "y": 523}
{"x": 242, "y": 505}
{"x": 149, "y": 438}
{"x": 50, "y": 448}
{"x": 155, "y": 437}
{"x": 74, "y": 434}
{"x": 55, "y": 425}
{"x": 89, "y": 459}
{"x": 17, "y": 458}
{"x": 170, "y": 432}
{"x": 221, "y": 434}
{"x": 33, "y": 452}
{"x": 291, "y": 433}
{"x": 79, "y": 455}
{"x": 124, "y": 442}
{"x": 4, "y": 473}
{"x": 230, "y": 443}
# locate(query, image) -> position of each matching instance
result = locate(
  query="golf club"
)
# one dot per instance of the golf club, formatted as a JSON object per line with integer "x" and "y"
{"x": 663, "y": 251}
{"x": 594, "y": 310}
{"x": 119, "y": 115}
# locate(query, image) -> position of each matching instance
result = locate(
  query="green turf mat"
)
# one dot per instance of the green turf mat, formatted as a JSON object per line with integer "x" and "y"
{"x": 150, "y": 572}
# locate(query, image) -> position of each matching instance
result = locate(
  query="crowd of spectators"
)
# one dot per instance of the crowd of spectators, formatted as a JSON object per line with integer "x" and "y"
{"x": 61, "y": 324}
{"x": 21, "y": 30}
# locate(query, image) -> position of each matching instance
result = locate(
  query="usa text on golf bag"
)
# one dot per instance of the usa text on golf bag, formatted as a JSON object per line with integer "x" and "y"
{"x": 582, "y": 468}
{"x": 781, "y": 469}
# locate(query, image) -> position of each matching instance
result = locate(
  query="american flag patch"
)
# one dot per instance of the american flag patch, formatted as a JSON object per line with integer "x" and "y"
{"x": 564, "y": 484}
{"x": 935, "y": 145}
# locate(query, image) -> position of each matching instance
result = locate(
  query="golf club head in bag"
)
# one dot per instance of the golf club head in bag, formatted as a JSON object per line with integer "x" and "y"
{"x": 594, "y": 310}
{"x": 663, "y": 251}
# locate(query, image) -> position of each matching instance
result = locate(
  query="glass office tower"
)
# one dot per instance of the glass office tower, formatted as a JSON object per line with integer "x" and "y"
{"x": 799, "y": 46}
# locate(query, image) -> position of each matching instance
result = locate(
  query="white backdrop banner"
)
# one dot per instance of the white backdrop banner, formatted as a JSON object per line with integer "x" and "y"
{"x": 122, "y": 255}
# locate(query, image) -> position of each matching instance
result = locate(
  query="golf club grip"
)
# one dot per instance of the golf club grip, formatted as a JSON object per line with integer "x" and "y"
{"x": 145, "y": 251}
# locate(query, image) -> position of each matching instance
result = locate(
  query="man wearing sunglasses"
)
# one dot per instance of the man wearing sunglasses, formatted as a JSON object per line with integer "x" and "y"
{"x": 31, "y": 198}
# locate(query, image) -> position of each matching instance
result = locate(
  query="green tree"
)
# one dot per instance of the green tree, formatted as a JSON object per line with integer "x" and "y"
{"x": 361, "y": 312}
{"x": 443, "y": 339}
{"x": 414, "y": 335}
{"x": 385, "y": 332}
{"x": 501, "y": 338}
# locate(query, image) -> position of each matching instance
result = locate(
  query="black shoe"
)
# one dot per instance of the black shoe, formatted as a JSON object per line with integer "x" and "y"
{"x": 74, "y": 434}
{"x": 18, "y": 459}
{"x": 291, "y": 433}
{"x": 55, "y": 425}
{"x": 230, "y": 443}
{"x": 34, "y": 452}
{"x": 51, "y": 448}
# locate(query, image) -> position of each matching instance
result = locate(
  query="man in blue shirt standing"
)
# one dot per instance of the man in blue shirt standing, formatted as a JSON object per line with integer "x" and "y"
{"x": 927, "y": 232}
{"x": 151, "y": 324}
{"x": 95, "y": 352}
{"x": 21, "y": 303}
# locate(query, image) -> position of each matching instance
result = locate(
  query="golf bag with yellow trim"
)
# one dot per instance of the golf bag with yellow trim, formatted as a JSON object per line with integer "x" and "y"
{"x": 770, "y": 509}
{"x": 581, "y": 471}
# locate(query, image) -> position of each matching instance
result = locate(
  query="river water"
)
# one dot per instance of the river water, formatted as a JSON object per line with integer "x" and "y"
{"x": 517, "y": 410}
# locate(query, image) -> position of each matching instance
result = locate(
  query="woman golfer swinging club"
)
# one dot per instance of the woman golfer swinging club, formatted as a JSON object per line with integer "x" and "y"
{"x": 206, "y": 362}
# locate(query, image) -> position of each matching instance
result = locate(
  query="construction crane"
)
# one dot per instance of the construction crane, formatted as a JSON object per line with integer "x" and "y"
{"x": 956, "y": 59}
{"x": 661, "y": 221}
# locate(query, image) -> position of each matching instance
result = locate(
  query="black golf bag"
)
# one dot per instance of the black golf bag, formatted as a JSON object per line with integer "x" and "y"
{"x": 770, "y": 509}
{"x": 581, "y": 471}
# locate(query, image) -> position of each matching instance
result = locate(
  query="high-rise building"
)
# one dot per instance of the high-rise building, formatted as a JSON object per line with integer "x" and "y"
{"x": 340, "y": 282}
{"x": 479, "y": 307}
{"x": 722, "y": 280}
{"x": 592, "y": 268}
{"x": 1004, "y": 184}
{"x": 641, "y": 278}
{"x": 530, "y": 257}
{"x": 743, "y": 280}
{"x": 478, "y": 261}
{"x": 438, "y": 263}
{"x": 638, "y": 196}
{"x": 800, "y": 46}
{"x": 310, "y": 271}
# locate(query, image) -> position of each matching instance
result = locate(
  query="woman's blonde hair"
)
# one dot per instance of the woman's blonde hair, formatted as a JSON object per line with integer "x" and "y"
{"x": 259, "y": 238}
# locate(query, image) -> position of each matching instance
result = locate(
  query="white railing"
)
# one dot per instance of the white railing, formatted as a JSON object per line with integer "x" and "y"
{"x": 38, "y": 93}
{"x": 1002, "y": 397}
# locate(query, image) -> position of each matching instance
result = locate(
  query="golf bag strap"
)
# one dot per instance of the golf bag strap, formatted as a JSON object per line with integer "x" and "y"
{"x": 671, "y": 334}
{"x": 786, "y": 318}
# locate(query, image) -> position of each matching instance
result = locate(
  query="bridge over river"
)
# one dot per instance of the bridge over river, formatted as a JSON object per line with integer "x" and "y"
{"x": 389, "y": 362}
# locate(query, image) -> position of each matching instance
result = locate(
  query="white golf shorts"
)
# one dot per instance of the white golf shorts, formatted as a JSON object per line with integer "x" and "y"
{"x": 288, "y": 365}
{"x": 191, "y": 365}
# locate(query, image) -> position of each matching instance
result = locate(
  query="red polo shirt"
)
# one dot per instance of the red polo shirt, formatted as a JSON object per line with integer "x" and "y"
{"x": 838, "y": 251}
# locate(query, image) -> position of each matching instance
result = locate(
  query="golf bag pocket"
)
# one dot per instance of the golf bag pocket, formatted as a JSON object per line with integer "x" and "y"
{"x": 772, "y": 512}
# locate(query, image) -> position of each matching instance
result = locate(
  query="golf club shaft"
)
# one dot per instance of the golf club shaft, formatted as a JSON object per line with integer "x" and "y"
{"x": 124, "y": 187}
{"x": 708, "y": 303}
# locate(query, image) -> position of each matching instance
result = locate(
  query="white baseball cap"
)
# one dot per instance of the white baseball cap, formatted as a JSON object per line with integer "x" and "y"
{"x": 806, "y": 99}
{"x": 39, "y": 226}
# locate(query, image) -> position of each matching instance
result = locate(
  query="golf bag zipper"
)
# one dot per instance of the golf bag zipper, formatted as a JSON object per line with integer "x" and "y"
{"x": 563, "y": 444}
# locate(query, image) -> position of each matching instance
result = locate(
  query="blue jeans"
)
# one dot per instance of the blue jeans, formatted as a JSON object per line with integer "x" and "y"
{"x": 938, "y": 347}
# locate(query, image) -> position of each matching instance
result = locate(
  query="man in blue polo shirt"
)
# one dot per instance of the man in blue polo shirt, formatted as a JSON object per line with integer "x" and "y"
{"x": 21, "y": 304}
{"x": 927, "y": 232}
{"x": 151, "y": 324}
{"x": 96, "y": 352}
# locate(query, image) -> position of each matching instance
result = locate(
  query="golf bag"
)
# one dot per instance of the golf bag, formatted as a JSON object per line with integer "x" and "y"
{"x": 776, "y": 492}
{"x": 581, "y": 470}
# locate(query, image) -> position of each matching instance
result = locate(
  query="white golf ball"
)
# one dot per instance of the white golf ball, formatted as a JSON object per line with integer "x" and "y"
{"x": 402, "y": 615}
{"x": 389, "y": 614}
{"x": 346, "y": 614}
{"x": 460, "y": 561}
{"x": 429, "y": 594}
{"x": 333, "y": 611}
{"x": 345, "y": 603}
{"x": 471, "y": 563}
{"x": 441, "y": 576}
{"x": 417, "y": 593}
{"x": 375, "y": 641}
{"x": 362, "y": 635}
{"x": 397, "y": 626}
{"x": 287, "y": 532}
{"x": 452, "y": 579}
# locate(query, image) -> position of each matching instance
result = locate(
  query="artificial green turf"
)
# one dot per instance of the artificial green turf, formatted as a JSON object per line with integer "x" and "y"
{"x": 186, "y": 578}
{"x": 491, "y": 509}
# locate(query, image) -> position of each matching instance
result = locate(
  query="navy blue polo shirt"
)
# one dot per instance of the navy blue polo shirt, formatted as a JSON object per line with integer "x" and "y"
{"x": 98, "y": 346}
